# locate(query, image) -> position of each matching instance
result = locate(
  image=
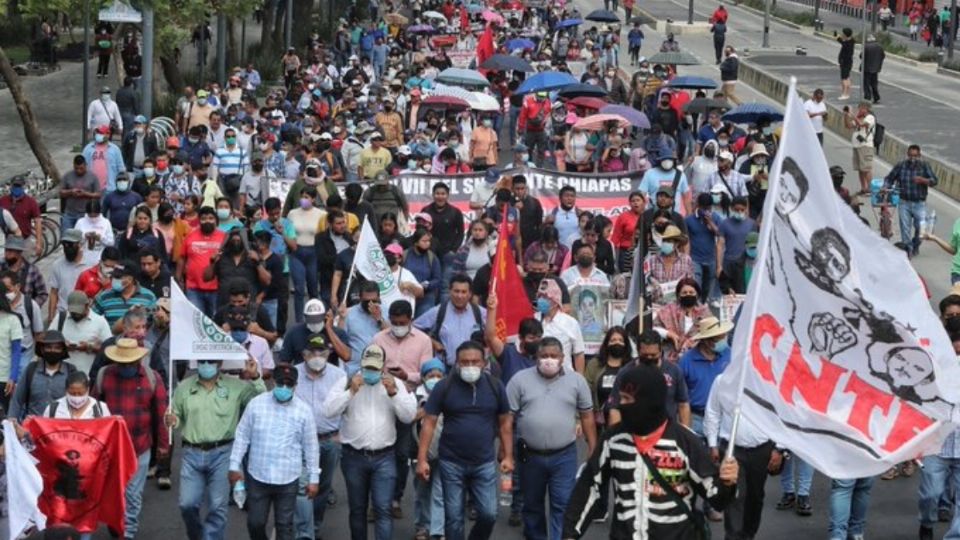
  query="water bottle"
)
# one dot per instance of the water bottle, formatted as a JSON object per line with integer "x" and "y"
{"x": 506, "y": 489}
{"x": 239, "y": 493}
{"x": 930, "y": 221}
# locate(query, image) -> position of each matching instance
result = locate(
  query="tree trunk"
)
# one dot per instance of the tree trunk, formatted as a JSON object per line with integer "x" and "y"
{"x": 233, "y": 49}
{"x": 171, "y": 73}
{"x": 302, "y": 22}
{"x": 266, "y": 30}
{"x": 30, "y": 128}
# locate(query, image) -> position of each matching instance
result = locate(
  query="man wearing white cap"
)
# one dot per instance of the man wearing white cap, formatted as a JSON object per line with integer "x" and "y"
{"x": 84, "y": 330}
{"x": 734, "y": 184}
{"x": 64, "y": 274}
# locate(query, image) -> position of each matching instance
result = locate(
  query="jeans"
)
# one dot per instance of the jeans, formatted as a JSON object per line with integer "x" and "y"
{"x": 303, "y": 522}
{"x": 68, "y": 221}
{"x": 536, "y": 142}
{"x": 303, "y": 271}
{"x": 283, "y": 300}
{"x": 330, "y": 452}
{"x": 849, "y": 500}
{"x": 481, "y": 482}
{"x": 446, "y": 270}
{"x": 203, "y": 478}
{"x": 404, "y": 451}
{"x": 804, "y": 477}
{"x": 260, "y": 497}
{"x": 706, "y": 276}
{"x": 369, "y": 478}
{"x": 912, "y": 214}
{"x": 552, "y": 475}
{"x": 205, "y": 301}
{"x": 134, "y": 496}
{"x": 428, "y": 508}
{"x": 936, "y": 472}
{"x": 514, "y": 115}
{"x": 270, "y": 306}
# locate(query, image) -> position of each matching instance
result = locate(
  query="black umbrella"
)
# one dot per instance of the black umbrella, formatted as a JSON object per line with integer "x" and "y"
{"x": 705, "y": 105}
{"x": 603, "y": 15}
{"x": 642, "y": 19}
{"x": 506, "y": 62}
{"x": 582, "y": 90}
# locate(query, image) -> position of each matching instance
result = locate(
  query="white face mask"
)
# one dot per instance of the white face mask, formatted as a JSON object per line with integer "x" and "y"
{"x": 11, "y": 296}
{"x": 400, "y": 331}
{"x": 470, "y": 374}
{"x": 317, "y": 363}
{"x": 315, "y": 327}
{"x": 548, "y": 367}
{"x": 77, "y": 402}
{"x": 666, "y": 164}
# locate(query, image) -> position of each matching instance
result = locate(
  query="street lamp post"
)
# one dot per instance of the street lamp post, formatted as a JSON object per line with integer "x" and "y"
{"x": 690, "y": 12}
{"x": 86, "y": 72}
{"x": 766, "y": 24}
{"x": 288, "y": 27}
{"x": 863, "y": 49}
{"x": 953, "y": 31}
{"x": 147, "y": 60}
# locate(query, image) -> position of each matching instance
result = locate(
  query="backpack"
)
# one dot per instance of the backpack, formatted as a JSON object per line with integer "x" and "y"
{"x": 151, "y": 378}
{"x": 879, "y": 130}
{"x": 495, "y": 385}
{"x": 441, "y": 315}
{"x": 31, "y": 371}
{"x": 97, "y": 409}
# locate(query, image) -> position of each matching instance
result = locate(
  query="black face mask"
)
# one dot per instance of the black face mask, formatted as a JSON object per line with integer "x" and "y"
{"x": 77, "y": 317}
{"x": 258, "y": 168}
{"x": 536, "y": 277}
{"x": 11, "y": 260}
{"x": 531, "y": 348}
{"x": 649, "y": 410}
{"x": 584, "y": 261}
{"x": 617, "y": 350}
{"x": 52, "y": 357}
{"x": 235, "y": 247}
{"x": 70, "y": 251}
{"x": 207, "y": 228}
{"x": 391, "y": 258}
{"x": 688, "y": 301}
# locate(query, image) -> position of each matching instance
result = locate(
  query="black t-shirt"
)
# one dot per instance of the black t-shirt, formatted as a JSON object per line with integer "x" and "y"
{"x": 227, "y": 270}
{"x": 160, "y": 287}
{"x": 274, "y": 265}
{"x": 261, "y": 317}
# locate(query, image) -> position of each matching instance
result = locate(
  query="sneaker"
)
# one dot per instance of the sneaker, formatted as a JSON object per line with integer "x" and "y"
{"x": 803, "y": 506}
{"x": 843, "y": 98}
{"x": 787, "y": 501}
{"x": 421, "y": 534}
{"x": 163, "y": 483}
{"x": 891, "y": 473}
{"x": 395, "y": 511}
{"x": 472, "y": 513}
{"x": 943, "y": 515}
{"x": 926, "y": 533}
{"x": 515, "y": 519}
{"x": 332, "y": 498}
{"x": 371, "y": 515}
{"x": 908, "y": 468}
{"x": 152, "y": 472}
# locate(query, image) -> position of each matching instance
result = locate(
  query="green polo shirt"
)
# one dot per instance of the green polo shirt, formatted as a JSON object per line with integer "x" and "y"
{"x": 207, "y": 416}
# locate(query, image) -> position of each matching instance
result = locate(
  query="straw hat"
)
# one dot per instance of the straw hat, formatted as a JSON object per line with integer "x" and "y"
{"x": 709, "y": 327}
{"x": 672, "y": 232}
{"x": 125, "y": 351}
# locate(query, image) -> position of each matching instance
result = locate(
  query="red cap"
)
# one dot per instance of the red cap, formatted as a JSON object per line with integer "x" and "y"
{"x": 104, "y": 129}
{"x": 173, "y": 142}
{"x": 269, "y": 137}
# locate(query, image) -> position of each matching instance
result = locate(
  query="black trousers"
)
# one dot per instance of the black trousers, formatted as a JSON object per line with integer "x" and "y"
{"x": 741, "y": 520}
{"x": 871, "y": 86}
{"x": 283, "y": 304}
{"x": 103, "y": 64}
{"x": 718, "y": 42}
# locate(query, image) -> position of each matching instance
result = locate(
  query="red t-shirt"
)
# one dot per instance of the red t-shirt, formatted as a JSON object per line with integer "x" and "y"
{"x": 197, "y": 250}
{"x": 89, "y": 282}
{"x": 24, "y": 212}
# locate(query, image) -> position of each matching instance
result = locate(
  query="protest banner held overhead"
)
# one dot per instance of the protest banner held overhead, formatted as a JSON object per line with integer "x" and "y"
{"x": 837, "y": 354}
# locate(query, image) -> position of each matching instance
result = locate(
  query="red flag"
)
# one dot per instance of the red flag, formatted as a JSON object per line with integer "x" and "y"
{"x": 485, "y": 47}
{"x": 512, "y": 304}
{"x": 464, "y": 21}
{"x": 85, "y": 465}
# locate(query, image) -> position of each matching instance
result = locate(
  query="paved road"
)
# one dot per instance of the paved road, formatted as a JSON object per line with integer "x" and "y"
{"x": 893, "y": 507}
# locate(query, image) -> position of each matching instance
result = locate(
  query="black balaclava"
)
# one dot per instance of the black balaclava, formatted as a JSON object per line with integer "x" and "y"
{"x": 649, "y": 409}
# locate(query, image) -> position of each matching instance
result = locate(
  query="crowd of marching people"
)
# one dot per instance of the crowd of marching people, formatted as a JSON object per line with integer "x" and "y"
{"x": 254, "y": 209}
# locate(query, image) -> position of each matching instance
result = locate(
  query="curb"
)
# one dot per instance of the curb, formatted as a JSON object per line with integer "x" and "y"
{"x": 893, "y": 148}
{"x": 948, "y": 72}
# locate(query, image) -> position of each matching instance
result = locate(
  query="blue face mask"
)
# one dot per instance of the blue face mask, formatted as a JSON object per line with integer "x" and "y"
{"x": 117, "y": 284}
{"x": 17, "y": 191}
{"x": 430, "y": 383}
{"x": 739, "y": 216}
{"x": 207, "y": 371}
{"x": 371, "y": 377}
{"x": 720, "y": 346}
{"x": 666, "y": 248}
{"x": 282, "y": 394}
{"x": 240, "y": 336}
{"x": 543, "y": 306}
{"x": 129, "y": 372}
{"x": 717, "y": 198}
{"x": 752, "y": 252}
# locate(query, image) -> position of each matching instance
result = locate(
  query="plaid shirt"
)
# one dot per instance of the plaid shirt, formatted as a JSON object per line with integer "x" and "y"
{"x": 32, "y": 281}
{"x": 657, "y": 272}
{"x": 132, "y": 399}
{"x": 281, "y": 439}
{"x": 901, "y": 177}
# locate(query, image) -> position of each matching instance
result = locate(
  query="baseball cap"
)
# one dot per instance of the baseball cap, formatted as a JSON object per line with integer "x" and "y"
{"x": 837, "y": 170}
{"x": 373, "y": 357}
{"x": 394, "y": 248}
{"x": 77, "y": 302}
{"x": 72, "y": 235}
{"x": 376, "y": 135}
{"x": 381, "y": 179}
{"x": 140, "y": 119}
{"x": 316, "y": 342}
{"x": 404, "y": 150}
{"x": 285, "y": 374}
{"x": 18, "y": 180}
{"x": 103, "y": 129}
{"x": 326, "y": 136}
{"x": 314, "y": 311}
{"x": 14, "y": 243}
{"x": 173, "y": 142}
{"x": 202, "y": 94}
{"x": 666, "y": 190}
{"x": 725, "y": 155}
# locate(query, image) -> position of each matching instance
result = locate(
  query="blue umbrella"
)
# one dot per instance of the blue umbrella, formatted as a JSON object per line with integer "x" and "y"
{"x": 546, "y": 81}
{"x": 692, "y": 82}
{"x": 636, "y": 118}
{"x": 506, "y": 62}
{"x": 569, "y": 22}
{"x": 421, "y": 29}
{"x": 583, "y": 90}
{"x": 520, "y": 43}
{"x": 751, "y": 113}
{"x": 603, "y": 15}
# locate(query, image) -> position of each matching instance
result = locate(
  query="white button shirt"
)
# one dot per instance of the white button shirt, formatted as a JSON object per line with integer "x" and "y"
{"x": 567, "y": 330}
{"x": 370, "y": 415}
{"x": 718, "y": 421}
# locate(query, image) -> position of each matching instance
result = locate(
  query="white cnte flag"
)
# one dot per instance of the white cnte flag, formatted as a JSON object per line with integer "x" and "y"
{"x": 372, "y": 264}
{"x": 837, "y": 353}
{"x": 194, "y": 336}
{"x": 24, "y": 485}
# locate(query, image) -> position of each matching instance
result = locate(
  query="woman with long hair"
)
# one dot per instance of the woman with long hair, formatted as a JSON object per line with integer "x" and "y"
{"x": 142, "y": 235}
{"x": 389, "y": 231}
{"x": 11, "y": 333}
{"x": 475, "y": 252}
{"x": 679, "y": 318}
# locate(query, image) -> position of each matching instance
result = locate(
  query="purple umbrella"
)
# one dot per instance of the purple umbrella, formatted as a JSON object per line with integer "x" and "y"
{"x": 421, "y": 29}
{"x": 636, "y": 118}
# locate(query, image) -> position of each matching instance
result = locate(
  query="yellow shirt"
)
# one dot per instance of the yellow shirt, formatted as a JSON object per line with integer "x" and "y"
{"x": 372, "y": 162}
{"x": 353, "y": 223}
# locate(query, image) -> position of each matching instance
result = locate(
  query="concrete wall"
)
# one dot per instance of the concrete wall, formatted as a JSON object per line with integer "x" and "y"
{"x": 893, "y": 148}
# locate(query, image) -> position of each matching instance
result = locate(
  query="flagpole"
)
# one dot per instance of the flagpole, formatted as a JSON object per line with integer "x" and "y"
{"x": 641, "y": 300}
{"x": 353, "y": 267}
{"x": 763, "y": 247}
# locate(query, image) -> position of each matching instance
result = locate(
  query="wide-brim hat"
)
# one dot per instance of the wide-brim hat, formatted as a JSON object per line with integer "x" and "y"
{"x": 125, "y": 351}
{"x": 710, "y": 327}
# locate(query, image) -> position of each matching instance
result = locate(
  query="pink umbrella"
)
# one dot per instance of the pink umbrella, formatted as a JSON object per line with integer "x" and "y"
{"x": 597, "y": 121}
{"x": 491, "y": 16}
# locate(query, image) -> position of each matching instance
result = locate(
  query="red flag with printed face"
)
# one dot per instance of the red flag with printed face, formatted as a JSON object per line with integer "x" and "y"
{"x": 85, "y": 465}
{"x": 485, "y": 46}
{"x": 512, "y": 303}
